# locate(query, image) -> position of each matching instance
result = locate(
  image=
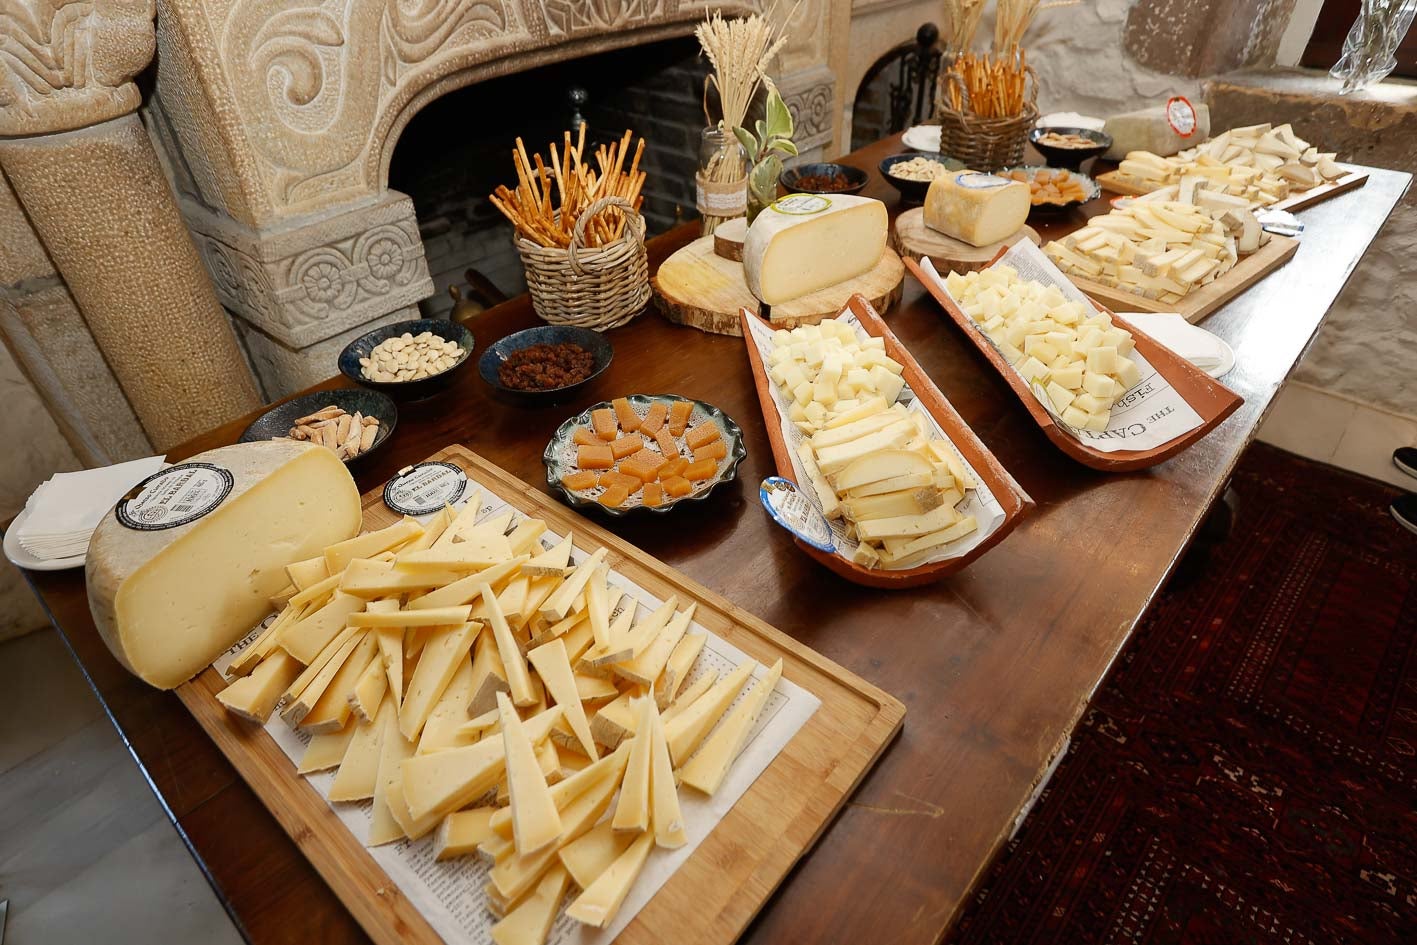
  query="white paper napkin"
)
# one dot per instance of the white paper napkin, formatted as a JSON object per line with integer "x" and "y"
{"x": 65, "y": 509}
{"x": 1196, "y": 345}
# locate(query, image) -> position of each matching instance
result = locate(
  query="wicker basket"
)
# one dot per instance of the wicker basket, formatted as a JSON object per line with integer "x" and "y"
{"x": 984, "y": 144}
{"x": 599, "y": 288}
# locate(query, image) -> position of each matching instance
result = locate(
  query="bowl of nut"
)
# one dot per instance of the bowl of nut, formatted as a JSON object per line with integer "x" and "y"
{"x": 408, "y": 360}
{"x": 545, "y": 365}
{"x": 911, "y": 174}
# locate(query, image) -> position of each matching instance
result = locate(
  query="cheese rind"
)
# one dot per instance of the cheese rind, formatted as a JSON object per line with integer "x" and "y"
{"x": 808, "y": 242}
{"x": 977, "y": 208}
{"x": 169, "y": 602}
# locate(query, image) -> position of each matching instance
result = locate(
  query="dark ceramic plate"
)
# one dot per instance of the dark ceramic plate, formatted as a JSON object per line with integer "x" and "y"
{"x": 1089, "y": 186}
{"x": 792, "y": 178}
{"x": 913, "y": 191}
{"x": 277, "y": 421}
{"x": 493, "y": 358}
{"x": 1070, "y": 158}
{"x": 560, "y": 454}
{"x": 406, "y": 390}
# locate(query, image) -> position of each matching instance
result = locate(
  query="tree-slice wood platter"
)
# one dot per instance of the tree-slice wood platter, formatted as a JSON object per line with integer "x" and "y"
{"x": 699, "y": 288}
{"x": 1208, "y": 298}
{"x": 709, "y": 899}
{"x": 912, "y": 239}
{"x": 1118, "y": 183}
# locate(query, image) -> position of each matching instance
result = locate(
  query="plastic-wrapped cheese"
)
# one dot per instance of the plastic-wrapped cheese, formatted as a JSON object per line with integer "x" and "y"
{"x": 977, "y": 208}
{"x": 1151, "y": 129}
{"x": 187, "y": 562}
{"x": 806, "y": 242}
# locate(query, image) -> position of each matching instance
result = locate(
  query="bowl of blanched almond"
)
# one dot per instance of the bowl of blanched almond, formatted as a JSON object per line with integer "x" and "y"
{"x": 408, "y": 360}
{"x": 912, "y": 173}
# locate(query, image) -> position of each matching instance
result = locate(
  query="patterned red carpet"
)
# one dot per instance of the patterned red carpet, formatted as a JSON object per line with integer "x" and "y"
{"x": 1248, "y": 773}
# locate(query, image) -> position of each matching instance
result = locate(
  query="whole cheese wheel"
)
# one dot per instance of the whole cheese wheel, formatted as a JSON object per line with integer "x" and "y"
{"x": 185, "y": 565}
{"x": 977, "y": 208}
{"x": 806, "y": 242}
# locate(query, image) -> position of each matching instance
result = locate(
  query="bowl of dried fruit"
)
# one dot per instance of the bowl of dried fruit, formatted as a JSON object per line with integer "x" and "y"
{"x": 545, "y": 365}
{"x": 823, "y": 178}
{"x": 1053, "y": 190}
{"x": 351, "y": 422}
{"x": 408, "y": 360}
{"x": 912, "y": 173}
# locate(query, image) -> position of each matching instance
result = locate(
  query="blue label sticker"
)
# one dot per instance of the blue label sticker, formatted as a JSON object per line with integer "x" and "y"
{"x": 796, "y": 513}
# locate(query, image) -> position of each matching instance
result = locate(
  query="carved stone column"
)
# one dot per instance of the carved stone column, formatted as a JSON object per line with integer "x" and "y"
{"x": 85, "y": 171}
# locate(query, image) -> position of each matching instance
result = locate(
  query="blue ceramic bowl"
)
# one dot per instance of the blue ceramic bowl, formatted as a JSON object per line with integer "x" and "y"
{"x": 277, "y": 421}
{"x": 497, "y": 353}
{"x": 913, "y": 191}
{"x": 406, "y": 390}
{"x": 792, "y": 178}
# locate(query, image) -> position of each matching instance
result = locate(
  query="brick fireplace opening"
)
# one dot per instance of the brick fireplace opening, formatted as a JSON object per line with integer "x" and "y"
{"x": 458, "y": 149}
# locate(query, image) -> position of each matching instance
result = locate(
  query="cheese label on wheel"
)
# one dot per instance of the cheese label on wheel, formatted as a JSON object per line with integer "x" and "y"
{"x": 175, "y": 496}
{"x": 806, "y": 242}
{"x": 795, "y": 512}
{"x": 1181, "y": 116}
{"x": 802, "y": 205}
{"x": 424, "y": 488}
{"x": 975, "y": 180}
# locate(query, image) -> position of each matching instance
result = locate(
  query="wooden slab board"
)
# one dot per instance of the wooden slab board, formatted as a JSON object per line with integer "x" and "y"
{"x": 1126, "y": 186}
{"x": 699, "y": 288}
{"x": 912, "y": 239}
{"x": 712, "y": 897}
{"x": 1208, "y": 298}
{"x": 1210, "y": 399}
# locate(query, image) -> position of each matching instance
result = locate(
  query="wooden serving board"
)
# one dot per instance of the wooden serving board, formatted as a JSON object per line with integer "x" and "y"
{"x": 1118, "y": 183}
{"x": 1209, "y": 398}
{"x": 712, "y": 897}
{"x": 1208, "y": 298}
{"x": 699, "y": 288}
{"x": 912, "y": 239}
{"x": 1010, "y": 495}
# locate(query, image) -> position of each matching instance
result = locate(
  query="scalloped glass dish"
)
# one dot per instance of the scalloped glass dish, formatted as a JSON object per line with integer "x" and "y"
{"x": 560, "y": 454}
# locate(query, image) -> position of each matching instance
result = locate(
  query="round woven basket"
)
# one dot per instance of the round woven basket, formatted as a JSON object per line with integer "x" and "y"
{"x": 984, "y": 144}
{"x": 590, "y": 287}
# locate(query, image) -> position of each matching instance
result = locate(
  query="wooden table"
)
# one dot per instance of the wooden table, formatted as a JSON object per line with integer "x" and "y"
{"x": 995, "y": 665}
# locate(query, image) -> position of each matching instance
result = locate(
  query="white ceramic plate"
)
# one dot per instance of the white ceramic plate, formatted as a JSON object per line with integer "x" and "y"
{"x": 1227, "y": 359}
{"x": 922, "y": 138}
{"x": 23, "y": 559}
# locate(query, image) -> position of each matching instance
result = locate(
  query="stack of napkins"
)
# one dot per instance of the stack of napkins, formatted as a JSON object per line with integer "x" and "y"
{"x": 64, "y": 511}
{"x": 1196, "y": 345}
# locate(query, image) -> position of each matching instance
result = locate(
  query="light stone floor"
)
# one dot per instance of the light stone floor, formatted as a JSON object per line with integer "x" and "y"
{"x": 86, "y": 854}
{"x": 1352, "y": 436}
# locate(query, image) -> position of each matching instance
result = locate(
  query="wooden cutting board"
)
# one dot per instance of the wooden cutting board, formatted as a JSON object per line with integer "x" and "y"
{"x": 711, "y": 898}
{"x": 1208, "y": 298}
{"x": 1119, "y": 184}
{"x": 912, "y": 239}
{"x": 699, "y": 288}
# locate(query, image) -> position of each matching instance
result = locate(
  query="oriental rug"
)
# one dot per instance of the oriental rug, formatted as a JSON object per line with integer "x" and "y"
{"x": 1248, "y": 771}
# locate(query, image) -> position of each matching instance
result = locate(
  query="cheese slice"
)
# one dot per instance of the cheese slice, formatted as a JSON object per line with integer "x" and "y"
{"x": 444, "y": 728}
{"x": 369, "y": 544}
{"x": 513, "y": 662}
{"x": 302, "y": 700}
{"x": 554, "y": 562}
{"x": 644, "y": 668}
{"x": 632, "y": 809}
{"x": 359, "y": 769}
{"x": 559, "y": 604}
{"x": 327, "y": 751}
{"x": 393, "y": 749}
{"x": 332, "y": 710}
{"x": 535, "y": 820}
{"x": 461, "y": 832}
{"x": 565, "y": 793}
{"x": 306, "y": 639}
{"x": 530, "y": 922}
{"x": 432, "y": 531}
{"x": 170, "y": 601}
{"x": 598, "y": 904}
{"x": 391, "y": 653}
{"x": 443, "y": 651}
{"x": 262, "y": 646}
{"x": 690, "y": 695}
{"x": 518, "y": 874}
{"x": 431, "y": 617}
{"x": 254, "y": 696}
{"x": 554, "y": 668}
{"x": 665, "y": 813}
{"x": 977, "y": 208}
{"x": 686, "y": 730}
{"x": 706, "y": 769}
{"x": 307, "y": 572}
{"x": 462, "y": 521}
{"x": 370, "y": 577}
{"x": 592, "y": 853}
{"x": 807, "y": 242}
{"x": 369, "y": 690}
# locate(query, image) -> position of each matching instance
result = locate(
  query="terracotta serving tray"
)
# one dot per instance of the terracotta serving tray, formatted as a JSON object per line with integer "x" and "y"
{"x": 1209, "y": 398}
{"x": 1011, "y": 497}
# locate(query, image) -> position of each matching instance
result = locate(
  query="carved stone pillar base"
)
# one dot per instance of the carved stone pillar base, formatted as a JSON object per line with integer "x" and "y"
{"x": 298, "y": 287}
{"x": 810, "y": 94}
{"x": 102, "y": 206}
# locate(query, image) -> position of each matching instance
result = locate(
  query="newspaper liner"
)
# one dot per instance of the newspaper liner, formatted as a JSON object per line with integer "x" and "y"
{"x": 1151, "y": 413}
{"x": 979, "y": 502}
{"x": 449, "y": 894}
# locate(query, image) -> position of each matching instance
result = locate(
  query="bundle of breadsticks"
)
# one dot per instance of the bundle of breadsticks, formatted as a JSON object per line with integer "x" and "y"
{"x": 549, "y": 198}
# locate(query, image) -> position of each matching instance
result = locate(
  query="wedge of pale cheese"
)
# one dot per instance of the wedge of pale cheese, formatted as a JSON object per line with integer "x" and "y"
{"x": 977, "y": 208}
{"x": 186, "y": 565}
{"x": 807, "y": 242}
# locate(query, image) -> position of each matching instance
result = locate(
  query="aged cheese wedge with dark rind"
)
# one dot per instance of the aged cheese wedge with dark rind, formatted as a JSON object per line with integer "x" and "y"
{"x": 169, "y": 601}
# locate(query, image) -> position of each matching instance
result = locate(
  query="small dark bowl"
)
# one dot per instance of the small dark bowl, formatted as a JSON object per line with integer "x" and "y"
{"x": 913, "y": 191}
{"x": 1070, "y": 158}
{"x": 792, "y": 178}
{"x": 499, "y": 352}
{"x": 277, "y": 421}
{"x": 406, "y": 390}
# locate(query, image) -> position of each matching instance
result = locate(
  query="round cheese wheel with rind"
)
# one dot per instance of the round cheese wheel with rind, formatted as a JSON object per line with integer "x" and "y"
{"x": 169, "y": 601}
